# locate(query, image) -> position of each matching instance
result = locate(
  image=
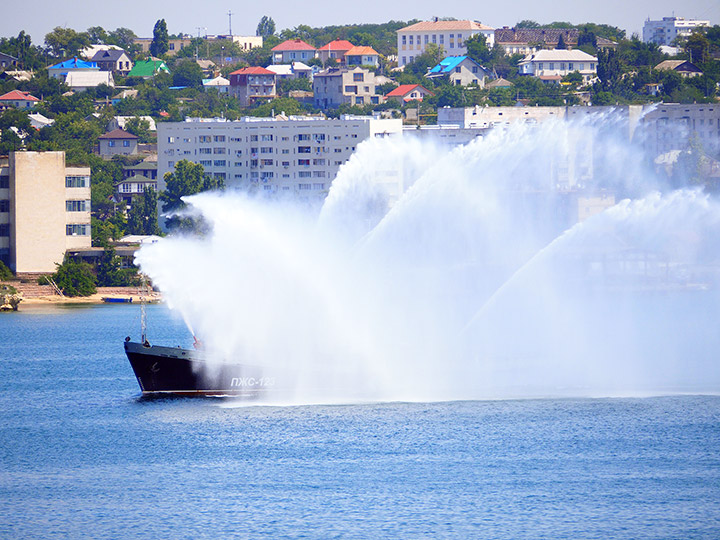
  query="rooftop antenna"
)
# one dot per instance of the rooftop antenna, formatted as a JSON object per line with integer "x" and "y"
{"x": 230, "y": 22}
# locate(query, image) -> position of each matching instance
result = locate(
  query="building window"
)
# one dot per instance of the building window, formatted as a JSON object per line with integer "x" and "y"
{"x": 201, "y": 138}
{"x": 205, "y": 151}
{"x": 75, "y": 181}
{"x": 303, "y": 149}
{"x": 266, "y": 150}
{"x": 4, "y": 229}
{"x": 5, "y": 182}
{"x": 303, "y": 137}
{"x": 304, "y": 174}
{"x": 219, "y": 138}
{"x": 206, "y": 163}
{"x": 304, "y": 186}
{"x": 411, "y": 40}
{"x": 266, "y": 162}
{"x": 111, "y": 143}
{"x": 358, "y": 77}
{"x": 4, "y": 205}
{"x": 266, "y": 137}
{"x": 78, "y": 206}
{"x": 434, "y": 38}
{"x": 304, "y": 162}
{"x": 219, "y": 163}
{"x": 218, "y": 151}
{"x": 76, "y": 230}
{"x": 427, "y": 38}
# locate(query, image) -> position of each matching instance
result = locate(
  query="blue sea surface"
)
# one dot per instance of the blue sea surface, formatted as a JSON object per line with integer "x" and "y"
{"x": 82, "y": 455}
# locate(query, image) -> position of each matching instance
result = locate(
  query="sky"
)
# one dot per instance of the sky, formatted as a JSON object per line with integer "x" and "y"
{"x": 212, "y": 15}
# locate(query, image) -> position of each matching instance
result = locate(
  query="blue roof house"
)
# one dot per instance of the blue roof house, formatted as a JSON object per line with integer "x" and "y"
{"x": 460, "y": 70}
{"x": 74, "y": 65}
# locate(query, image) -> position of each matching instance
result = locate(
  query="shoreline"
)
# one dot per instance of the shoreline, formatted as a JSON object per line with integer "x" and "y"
{"x": 96, "y": 298}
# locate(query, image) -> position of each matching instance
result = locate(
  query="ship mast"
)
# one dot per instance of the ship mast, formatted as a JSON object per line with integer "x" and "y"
{"x": 143, "y": 319}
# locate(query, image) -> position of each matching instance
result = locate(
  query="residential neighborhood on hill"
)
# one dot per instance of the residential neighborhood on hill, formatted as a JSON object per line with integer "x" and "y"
{"x": 280, "y": 113}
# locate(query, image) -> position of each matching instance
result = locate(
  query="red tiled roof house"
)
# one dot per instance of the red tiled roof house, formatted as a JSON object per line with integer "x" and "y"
{"x": 293, "y": 50}
{"x": 18, "y": 100}
{"x": 409, "y": 92}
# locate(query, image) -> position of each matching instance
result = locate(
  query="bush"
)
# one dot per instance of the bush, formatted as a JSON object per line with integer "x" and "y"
{"x": 75, "y": 278}
{"x": 5, "y": 273}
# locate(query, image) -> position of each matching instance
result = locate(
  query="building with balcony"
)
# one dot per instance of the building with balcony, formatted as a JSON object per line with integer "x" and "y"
{"x": 529, "y": 40}
{"x": 670, "y": 29}
{"x": 336, "y": 86}
{"x": 450, "y": 36}
{"x": 44, "y": 211}
{"x": 296, "y": 156}
{"x": 252, "y": 84}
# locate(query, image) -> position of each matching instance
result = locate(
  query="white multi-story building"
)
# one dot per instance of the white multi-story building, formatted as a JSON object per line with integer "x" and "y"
{"x": 295, "y": 155}
{"x": 450, "y": 36}
{"x": 665, "y": 32}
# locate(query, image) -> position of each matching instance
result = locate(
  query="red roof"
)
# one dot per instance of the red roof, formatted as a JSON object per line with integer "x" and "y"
{"x": 118, "y": 134}
{"x": 405, "y": 89}
{"x": 17, "y": 95}
{"x": 293, "y": 45}
{"x": 253, "y": 71}
{"x": 337, "y": 45}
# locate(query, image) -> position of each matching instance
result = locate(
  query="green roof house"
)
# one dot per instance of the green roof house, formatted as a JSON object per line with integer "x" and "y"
{"x": 148, "y": 68}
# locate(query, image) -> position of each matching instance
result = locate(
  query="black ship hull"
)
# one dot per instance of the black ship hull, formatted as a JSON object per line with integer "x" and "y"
{"x": 185, "y": 372}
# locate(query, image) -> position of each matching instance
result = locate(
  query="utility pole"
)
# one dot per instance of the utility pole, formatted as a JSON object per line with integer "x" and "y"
{"x": 230, "y": 23}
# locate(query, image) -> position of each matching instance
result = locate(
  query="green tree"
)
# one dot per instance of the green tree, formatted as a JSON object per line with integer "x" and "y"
{"x": 266, "y": 27}
{"x": 97, "y": 35}
{"x": 526, "y": 23}
{"x": 188, "y": 179}
{"x": 66, "y": 42}
{"x": 698, "y": 47}
{"x": 75, "y": 278}
{"x": 143, "y": 217}
{"x": 478, "y": 50}
{"x": 187, "y": 73}
{"x": 160, "y": 43}
{"x": 139, "y": 127}
{"x": 561, "y": 43}
{"x": 608, "y": 69}
{"x": 123, "y": 38}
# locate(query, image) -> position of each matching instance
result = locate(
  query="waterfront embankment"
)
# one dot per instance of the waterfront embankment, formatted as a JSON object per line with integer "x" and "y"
{"x": 32, "y": 293}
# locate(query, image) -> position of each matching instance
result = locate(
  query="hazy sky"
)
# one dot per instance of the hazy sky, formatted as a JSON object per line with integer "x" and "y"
{"x": 140, "y": 16}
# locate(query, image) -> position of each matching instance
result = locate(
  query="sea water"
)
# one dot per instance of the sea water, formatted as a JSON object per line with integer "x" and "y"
{"x": 82, "y": 455}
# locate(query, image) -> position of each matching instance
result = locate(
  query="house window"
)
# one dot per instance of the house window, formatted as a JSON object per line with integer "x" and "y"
{"x": 562, "y": 66}
{"x": 581, "y": 66}
{"x": 474, "y": 69}
{"x": 358, "y": 77}
{"x": 540, "y": 66}
{"x": 442, "y": 39}
{"x": 111, "y": 143}
{"x": 434, "y": 38}
{"x": 404, "y": 60}
{"x": 427, "y": 38}
{"x": 457, "y": 70}
{"x": 570, "y": 66}
{"x": 172, "y": 46}
{"x": 404, "y": 40}
{"x": 126, "y": 144}
{"x": 411, "y": 40}
{"x": 552, "y": 65}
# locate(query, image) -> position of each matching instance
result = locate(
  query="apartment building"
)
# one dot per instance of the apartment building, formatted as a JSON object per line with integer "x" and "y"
{"x": 44, "y": 210}
{"x": 666, "y": 31}
{"x": 295, "y": 155}
{"x": 336, "y": 86}
{"x": 450, "y": 36}
{"x": 252, "y": 84}
{"x": 669, "y": 127}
